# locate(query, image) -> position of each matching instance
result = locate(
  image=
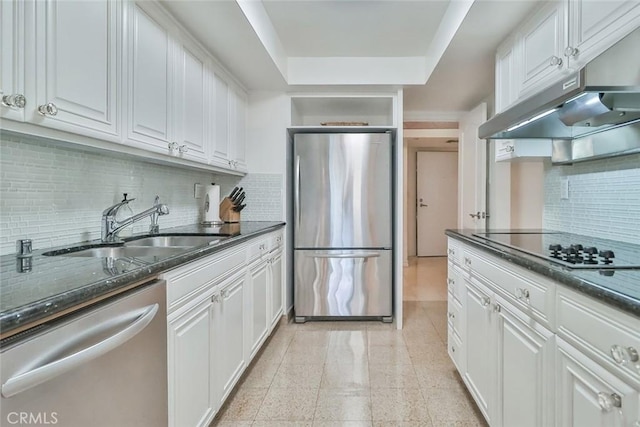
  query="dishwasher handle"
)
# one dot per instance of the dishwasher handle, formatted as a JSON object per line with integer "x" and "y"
{"x": 34, "y": 377}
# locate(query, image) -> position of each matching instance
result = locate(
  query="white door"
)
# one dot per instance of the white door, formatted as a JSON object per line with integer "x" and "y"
{"x": 472, "y": 170}
{"x": 259, "y": 301}
{"x": 437, "y": 204}
{"x": 78, "y": 72}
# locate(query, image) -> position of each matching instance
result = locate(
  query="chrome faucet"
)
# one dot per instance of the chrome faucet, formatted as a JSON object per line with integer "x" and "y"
{"x": 111, "y": 227}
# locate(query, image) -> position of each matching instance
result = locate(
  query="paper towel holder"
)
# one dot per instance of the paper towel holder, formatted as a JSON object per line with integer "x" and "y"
{"x": 206, "y": 208}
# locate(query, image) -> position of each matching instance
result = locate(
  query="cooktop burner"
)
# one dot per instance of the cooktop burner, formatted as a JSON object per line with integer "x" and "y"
{"x": 570, "y": 250}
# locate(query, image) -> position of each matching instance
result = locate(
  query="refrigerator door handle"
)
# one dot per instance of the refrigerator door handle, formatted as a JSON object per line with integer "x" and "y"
{"x": 297, "y": 192}
{"x": 348, "y": 255}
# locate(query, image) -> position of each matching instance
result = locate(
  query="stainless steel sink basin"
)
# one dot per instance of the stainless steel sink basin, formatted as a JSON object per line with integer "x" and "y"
{"x": 174, "y": 241}
{"x": 120, "y": 252}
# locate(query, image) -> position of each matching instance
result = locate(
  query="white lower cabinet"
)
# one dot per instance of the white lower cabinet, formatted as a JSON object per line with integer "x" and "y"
{"x": 230, "y": 317}
{"x": 259, "y": 278}
{"x": 537, "y": 353}
{"x": 190, "y": 341}
{"x": 221, "y": 309}
{"x": 590, "y": 396}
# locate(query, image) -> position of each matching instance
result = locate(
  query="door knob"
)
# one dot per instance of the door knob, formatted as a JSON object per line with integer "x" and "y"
{"x": 475, "y": 215}
{"x": 422, "y": 205}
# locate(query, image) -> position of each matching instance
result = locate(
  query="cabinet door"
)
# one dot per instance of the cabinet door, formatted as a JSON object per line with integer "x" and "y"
{"x": 192, "y": 115}
{"x": 239, "y": 131}
{"x": 150, "y": 75}
{"x": 506, "y": 90}
{"x": 190, "y": 367}
{"x": 230, "y": 323}
{"x": 589, "y": 395}
{"x": 221, "y": 155}
{"x": 258, "y": 303}
{"x": 481, "y": 357}
{"x": 12, "y": 91}
{"x": 275, "y": 286}
{"x": 542, "y": 45}
{"x": 525, "y": 369}
{"x": 594, "y": 26}
{"x": 78, "y": 67}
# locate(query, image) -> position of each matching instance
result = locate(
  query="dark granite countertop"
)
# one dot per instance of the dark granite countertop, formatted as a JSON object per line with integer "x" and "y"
{"x": 621, "y": 290}
{"x": 57, "y": 284}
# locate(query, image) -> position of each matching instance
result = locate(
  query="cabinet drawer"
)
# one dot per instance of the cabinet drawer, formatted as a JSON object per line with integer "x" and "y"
{"x": 455, "y": 283}
{"x": 257, "y": 248}
{"x": 454, "y": 315}
{"x": 454, "y": 348}
{"x": 530, "y": 292}
{"x": 276, "y": 240}
{"x": 609, "y": 336}
{"x": 454, "y": 251}
{"x": 185, "y": 280}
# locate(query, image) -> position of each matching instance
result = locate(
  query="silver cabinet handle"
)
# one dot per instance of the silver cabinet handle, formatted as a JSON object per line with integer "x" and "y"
{"x": 451, "y": 315}
{"x": 215, "y": 298}
{"x": 17, "y": 101}
{"x": 34, "y": 377}
{"x": 183, "y": 149}
{"x": 509, "y": 148}
{"x": 452, "y": 251}
{"x": 48, "y": 109}
{"x": 622, "y": 354}
{"x": 451, "y": 281}
{"x": 571, "y": 51}
{"x": 348, "y": 255}
{"x": 555, "y": 61}
{"x": 497, "y": 308}
{"x": 467, "y": 261}
{"x": 609, "y": 401}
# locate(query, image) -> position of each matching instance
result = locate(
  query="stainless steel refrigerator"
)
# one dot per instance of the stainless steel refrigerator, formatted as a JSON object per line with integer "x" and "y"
{"x": 343, "y": 222}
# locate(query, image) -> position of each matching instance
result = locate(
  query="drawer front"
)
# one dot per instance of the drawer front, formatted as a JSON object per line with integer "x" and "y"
{"x": 455, "y": 281}
{"x": 455, "y": 349}
{"x": 530, "y": 292}
{"x": 609, "y": 336}
{"x": 454, "y": 251}
{"x": 276, "y": 240}
{"x": 257, "y": 248}
{"x": 454, "y": 315}
{"x": 185, "y": 280}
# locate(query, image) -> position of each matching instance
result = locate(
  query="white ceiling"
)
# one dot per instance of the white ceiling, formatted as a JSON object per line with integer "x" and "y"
{"x": 319, "y": 44}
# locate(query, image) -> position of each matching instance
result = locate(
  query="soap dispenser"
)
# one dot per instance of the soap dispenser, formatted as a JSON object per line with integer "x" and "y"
{"x": 123, "y": 213}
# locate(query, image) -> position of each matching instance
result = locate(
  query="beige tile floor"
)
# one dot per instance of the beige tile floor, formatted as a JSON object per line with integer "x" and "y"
{"x": 358, "y": 373}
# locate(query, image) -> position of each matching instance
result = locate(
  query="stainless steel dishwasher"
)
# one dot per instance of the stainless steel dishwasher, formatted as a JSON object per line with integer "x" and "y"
{"x": 106, "y": 366}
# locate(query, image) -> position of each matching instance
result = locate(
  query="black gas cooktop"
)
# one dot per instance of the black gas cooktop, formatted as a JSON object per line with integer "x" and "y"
{"x": 573, "y": 251}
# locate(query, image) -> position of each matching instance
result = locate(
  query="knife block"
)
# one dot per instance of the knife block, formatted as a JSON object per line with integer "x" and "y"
{"x": 227, "y": 214}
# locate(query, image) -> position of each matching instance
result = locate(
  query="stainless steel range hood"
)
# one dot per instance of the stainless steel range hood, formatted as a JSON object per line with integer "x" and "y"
{"x": 603, "y": 96}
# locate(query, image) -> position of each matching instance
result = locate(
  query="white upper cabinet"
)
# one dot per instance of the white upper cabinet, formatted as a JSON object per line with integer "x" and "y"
{"x": 238, "y": 126}
{"x": 12, "y": 91}
{"x": 229, "y": 146}
{"x": 77, "y": 75}
{"x": 597, "y": 25}
{"x": 560, "y": 38}
{"x": 150, "y": 77}
{"x": 221, "y": 152}
{"x": 192, "y": 102}
{"x": 541, "y": 44}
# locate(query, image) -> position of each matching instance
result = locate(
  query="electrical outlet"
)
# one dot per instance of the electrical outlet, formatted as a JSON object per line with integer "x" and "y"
{"x": 198, "y": 189}
{"x": 564, "y": 188}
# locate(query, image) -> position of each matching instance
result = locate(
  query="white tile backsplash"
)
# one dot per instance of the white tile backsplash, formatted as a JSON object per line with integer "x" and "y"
{"x": 604, "y": 198}
{"x": 264, "y": 195}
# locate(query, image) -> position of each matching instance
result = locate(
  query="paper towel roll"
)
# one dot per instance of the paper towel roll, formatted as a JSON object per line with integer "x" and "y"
{"x": 211, "y": 211}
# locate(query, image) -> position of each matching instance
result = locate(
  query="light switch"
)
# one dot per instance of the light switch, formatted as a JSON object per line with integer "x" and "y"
{"x": 564, "y": 188}
{"x": 197, "y": 191}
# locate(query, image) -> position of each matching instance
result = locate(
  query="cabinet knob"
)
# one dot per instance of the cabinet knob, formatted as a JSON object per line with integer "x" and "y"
{"x": 571, "y": 51}
{"x": 522, "y": 293}
{"x": 609, "y": 401}
{"x": 509, "y": 148}
{"x": 48, "y": 109}
{"x": 215, "y": 298}
{"x": 17, "y": 101}
{"x": 183, "y": 149}
{"x": 497, "y": 308}
{"x": 451, "y": 281}
{"x": 485, "y": 301}
{"x": 555, "y": 61}
{"x": 452, "y": 251}
{"x": 622, "y": 354}
{"x": 467, "y": 261}
{"x": 451, "y": 315}
{"x": 173, "y": 146}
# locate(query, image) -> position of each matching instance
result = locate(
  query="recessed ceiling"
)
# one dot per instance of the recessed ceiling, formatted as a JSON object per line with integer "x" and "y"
{"x": 334, "y": 45}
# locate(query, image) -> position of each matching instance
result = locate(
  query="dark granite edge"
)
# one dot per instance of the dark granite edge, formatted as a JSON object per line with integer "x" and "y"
{"x": 563, "y": 276}
{"x": 44, "y": 308}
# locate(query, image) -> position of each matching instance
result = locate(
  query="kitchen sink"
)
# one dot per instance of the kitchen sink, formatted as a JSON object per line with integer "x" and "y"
{"x": 119, "y": 252}
{"x": 173, "y": 241}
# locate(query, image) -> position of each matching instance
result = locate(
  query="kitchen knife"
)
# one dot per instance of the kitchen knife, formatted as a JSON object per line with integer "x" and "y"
{"x": 234, "y": 199}
{"x": 239, "y": 199}
{"x": 239, "y": 208}
{"x": 233, "y": 193}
